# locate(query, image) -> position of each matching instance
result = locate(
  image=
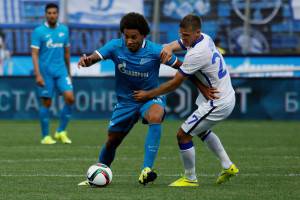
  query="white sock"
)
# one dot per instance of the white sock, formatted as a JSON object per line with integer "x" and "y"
{"x": 214, "y": 144}
{"x": 188, "y": 159}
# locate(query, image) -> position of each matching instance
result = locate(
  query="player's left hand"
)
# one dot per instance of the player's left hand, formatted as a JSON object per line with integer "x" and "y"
{"x": 166, "y": 54}
{"x": 84, "y": 61}
{"x": 141, "y": 95}
{"x": 210, "y": 93}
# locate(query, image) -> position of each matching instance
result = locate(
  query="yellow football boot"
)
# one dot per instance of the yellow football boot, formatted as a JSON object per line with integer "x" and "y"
{"x": 63, "y": 137}
{"x": 147, "y": 175}
{"x": 226, "y": 174}
{"x": 184, "y": 182}
{"x": 84, "y": 183}
{"x": 48, "y": 140}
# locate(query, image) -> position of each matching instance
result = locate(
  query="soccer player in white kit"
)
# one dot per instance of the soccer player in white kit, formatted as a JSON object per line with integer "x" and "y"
{"x": 204, "y": 62}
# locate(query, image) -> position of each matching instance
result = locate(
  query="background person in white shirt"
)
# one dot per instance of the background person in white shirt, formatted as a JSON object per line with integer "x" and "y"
{"x": 204, "y": 62}
{"x": 4, "y": 54}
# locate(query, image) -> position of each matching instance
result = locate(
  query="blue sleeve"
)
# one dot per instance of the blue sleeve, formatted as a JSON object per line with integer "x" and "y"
{"x": 107, "y": 50}
{"x": 67, "y": 40}
{"x": 35, "y": 39}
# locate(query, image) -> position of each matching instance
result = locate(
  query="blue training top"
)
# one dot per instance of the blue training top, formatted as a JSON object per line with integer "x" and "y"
{"x": 133, "y": 70}
{"x": 51, "y": 43}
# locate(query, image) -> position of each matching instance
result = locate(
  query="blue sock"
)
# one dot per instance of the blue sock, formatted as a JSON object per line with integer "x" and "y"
{"x": 186, "y": 146}
{"x": 64, "y": 118}
{"x": 44, "y": 120}
{"x": 152, "y": 144}
{"x": 107, "y": 155}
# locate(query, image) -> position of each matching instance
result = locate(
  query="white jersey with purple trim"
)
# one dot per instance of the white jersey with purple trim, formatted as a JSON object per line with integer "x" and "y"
{"x": 204, "y": 61}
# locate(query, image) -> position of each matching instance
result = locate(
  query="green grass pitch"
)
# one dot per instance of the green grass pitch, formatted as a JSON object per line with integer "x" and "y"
{"x": 267, "y": 153}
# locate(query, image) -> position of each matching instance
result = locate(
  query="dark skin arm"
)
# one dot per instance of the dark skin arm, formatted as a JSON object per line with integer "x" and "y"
{"x": 164, "y": 88}
{"x": 87, "y": 61}
{"x": 35, "y": 59}
{"x": 208, "y": 92}
{"x": 177, "y": 64}
{"x": 67, "y": 59}
{"x": 168, "y": 49}
{"x": 169, "y": 86}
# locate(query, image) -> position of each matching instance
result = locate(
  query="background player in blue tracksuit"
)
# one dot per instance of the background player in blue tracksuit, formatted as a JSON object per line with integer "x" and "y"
{"x": 137, "y": 63}
{"x": 51, "y": 60}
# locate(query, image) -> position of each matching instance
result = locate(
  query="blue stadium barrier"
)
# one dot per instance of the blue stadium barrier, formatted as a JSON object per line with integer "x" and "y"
{"x": 257, "y": 98}
{"x": 22, "y": 65}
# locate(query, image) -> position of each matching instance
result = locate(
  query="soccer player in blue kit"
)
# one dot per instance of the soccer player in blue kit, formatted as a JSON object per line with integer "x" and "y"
{"x": 137, "y": 62}
{"x": 51, "y": 60}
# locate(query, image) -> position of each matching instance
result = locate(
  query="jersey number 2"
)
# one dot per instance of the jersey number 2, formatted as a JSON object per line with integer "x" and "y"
{"x": 222, "y": 72}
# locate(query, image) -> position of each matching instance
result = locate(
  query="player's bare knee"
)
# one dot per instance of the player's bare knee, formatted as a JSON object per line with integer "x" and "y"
{"x": 69, "y": 97}
{"x": 183, "y": 137}
{"x": 70, "y": 100}
{"x": 154, "y": 119}
{"x": 155, "y": 114}
{"x": 46, "y": 102}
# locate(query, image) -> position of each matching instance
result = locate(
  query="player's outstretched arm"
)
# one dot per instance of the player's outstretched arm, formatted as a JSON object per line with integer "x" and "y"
{"x": 177, "y": 64}
{"x": 86, "y": 61}
{"x": 164, "y": 88}
{"x": 167, "y": 51}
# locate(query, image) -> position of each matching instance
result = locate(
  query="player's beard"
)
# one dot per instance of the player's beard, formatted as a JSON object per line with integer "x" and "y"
{"x": 134, "y": 47}
{"x": 52, "y": 22}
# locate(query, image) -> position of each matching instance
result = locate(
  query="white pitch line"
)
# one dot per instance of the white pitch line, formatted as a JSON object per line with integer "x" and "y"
{"x": 73, "y": 159}
{"x": 133, "y": 175}
{"x": 47, "y": 160}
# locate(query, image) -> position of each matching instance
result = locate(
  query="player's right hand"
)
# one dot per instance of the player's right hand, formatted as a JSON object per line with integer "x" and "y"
{"x": 39, "y": 80}
{"x": 84, "y": 61}
{"x": 141, "y": 95}
{"x": 166, "y": 54}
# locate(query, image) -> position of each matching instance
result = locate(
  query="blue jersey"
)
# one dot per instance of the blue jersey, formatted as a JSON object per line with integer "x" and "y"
{"x": 51, "y": 43}
{"x": 133, "y": 70}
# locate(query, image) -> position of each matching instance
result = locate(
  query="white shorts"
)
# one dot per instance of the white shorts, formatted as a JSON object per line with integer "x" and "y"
{"x": 205, "y": 117}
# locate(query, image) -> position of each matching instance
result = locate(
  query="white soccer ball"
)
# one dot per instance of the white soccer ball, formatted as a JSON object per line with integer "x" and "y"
{"x": 99, "y": 175}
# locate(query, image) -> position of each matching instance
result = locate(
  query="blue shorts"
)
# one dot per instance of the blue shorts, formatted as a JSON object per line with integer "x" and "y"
{"x": 125, "y": 115}
{"x": 62, "y": 83}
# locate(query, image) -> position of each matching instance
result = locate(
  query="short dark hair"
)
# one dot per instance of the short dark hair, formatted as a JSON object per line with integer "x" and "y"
{"x": 191, "y": 20}
{"x": 134, "y": 20}
{"x": 51, "y": 5}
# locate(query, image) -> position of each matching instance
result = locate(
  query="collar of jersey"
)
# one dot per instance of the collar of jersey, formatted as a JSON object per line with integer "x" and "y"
{"x": 198, "y": 40}
{"x": 47, "y": 25}
{"x": 144, "y": 43}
